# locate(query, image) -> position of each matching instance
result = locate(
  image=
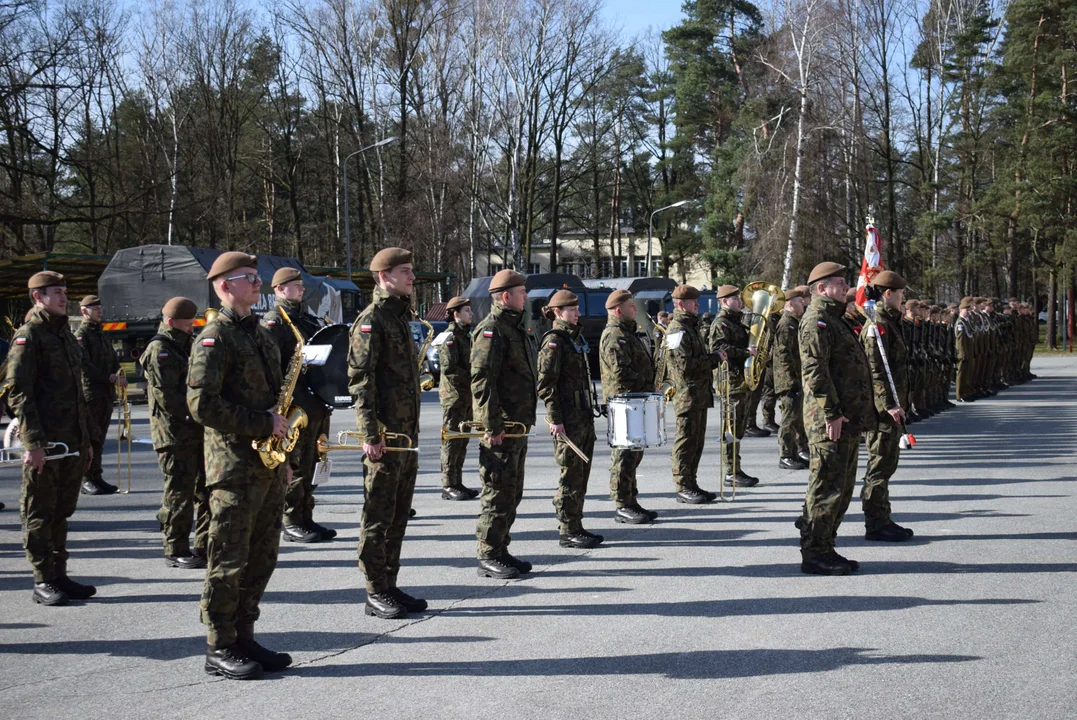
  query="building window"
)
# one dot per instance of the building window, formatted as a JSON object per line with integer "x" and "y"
{"x": 534, "y": 269}
{"x": 605, "y": 270}
{"x": 641, "y": 268}
{"x": 656, "y": 266}
{"x": 624, "y": 268}
{"x": 495, "y": 268}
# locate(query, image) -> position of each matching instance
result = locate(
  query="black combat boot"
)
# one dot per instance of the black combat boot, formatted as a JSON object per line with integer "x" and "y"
{"x": 497, "y": 569}
{"x": 651, "y": 513}
{"x": 756, "y": 431}
{"x": 742, "y": 479}
{"x": 522, "y": 565}
{"x": 412, "y": 513}
{"x": 693, "y": 496}
{"x": 232, "y": 663}
{"x": 805, "y": 456}
{"x": 411, "y": 603}
{"x": 186, "y": 562}
{"x": 325, "y": 532}
{"x": 385, "y": 606}
{"x": 269, "y": 660}
{"x": 852, "y": 563}
{"x": 456, "y": 492}
{"x": 2, "y": 506}
{"x": 49, "y": 593}
{"x": 581, "y": 540}
{"x": 74, "y": 590}
{"x": 792, "y": 463}
{"x": 829, "y": 563}
{"x": 772, "y": 426}
{"x": 97, "y": 487}
{"x": 300, "y": 534}
{"x": 890, "y": 533}
{"x": 631, "y": 516}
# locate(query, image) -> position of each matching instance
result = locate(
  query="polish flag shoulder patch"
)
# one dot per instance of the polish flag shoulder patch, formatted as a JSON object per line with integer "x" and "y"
{"x": 487, "y": 333}
{"x": 20, "y": 341}
{"x": 820, "y": 323}
{"x": 162, "y": 355}
{"x": 551, "y": 345}
{"x": 79, "y": 338}
{"x": 209, "y": 342}
{"x": 448, "y": 342}
{"x": 620, "y": 341}
{"x": 366, "y": 328}
{"x": 271, "y": 323}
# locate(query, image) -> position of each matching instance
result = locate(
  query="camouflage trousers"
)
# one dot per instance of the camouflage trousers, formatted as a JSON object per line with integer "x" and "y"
{"x": 572, "y": 487}
{"x": 741, "y": 408}
{"x": 832, "y": 476}
{"x": 688, "y": 448}
{"x": 883, "y": 452}
{"x": 244, "y": 539}
{"x": 99, "y": 420}
{"x": 185, "y": 501}
{"x": 299, "y": 495}
{"x": 623, "y": 464}
{"x": 390, "y": 485}
{"x": 791, "y": 436}
{"x": 453, "y": 453}
{"x": 763, "y": 395}
{"x": 501, "y": 469}
{"x": 47, "y": 500}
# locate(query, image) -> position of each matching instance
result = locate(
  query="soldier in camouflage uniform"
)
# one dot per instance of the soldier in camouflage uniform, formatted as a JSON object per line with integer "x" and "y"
{"x": 706, "y": 320}
{"x": 43, "y": 384}
{"x": 177, "y": 438}
{"x": 690, "y": 365}
{"x": 232, "y": 387}
{"x": 299, "y": 525}
{"x": 503, "y": 378}
{"x": 564, "y": 385}
{"x": 383, "y": 373}
{"x": 792, "y": 442}
{"x": 454, "y": 391}
{"x": 658, "y": 350}
{"x": 837, "y": 409}
{"x": 729, "y": 337}
{"x": 100, "y": 368}
{"x": 625, "y": 368}
{"x": 884, "y": 339}
{"x": 910, "y": 325}
{"x": 763, "y": 395}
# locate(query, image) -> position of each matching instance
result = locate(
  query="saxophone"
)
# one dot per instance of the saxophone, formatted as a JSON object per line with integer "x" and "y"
{"x": 273, "y": 450}
{"x": 426, "y": 380}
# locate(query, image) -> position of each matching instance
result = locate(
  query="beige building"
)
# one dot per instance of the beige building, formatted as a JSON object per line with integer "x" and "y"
{"x": 575, "y": 255}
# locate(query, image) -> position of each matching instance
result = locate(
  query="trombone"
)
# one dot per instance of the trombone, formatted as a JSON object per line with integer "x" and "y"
{"x": 729, "y": 435}
{"x": 471, "y": 429}
{"x": 123, "y": 432}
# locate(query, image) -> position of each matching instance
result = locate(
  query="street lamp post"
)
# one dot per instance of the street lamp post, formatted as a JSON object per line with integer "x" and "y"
{"x": 347, "y": 224}
{"x": 650, "y": 232}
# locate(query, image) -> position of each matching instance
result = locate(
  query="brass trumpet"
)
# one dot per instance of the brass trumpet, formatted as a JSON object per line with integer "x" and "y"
{"x": 123, "y": 432}
{"x": 471, "y": 429}
{"x": 384, "y": 435}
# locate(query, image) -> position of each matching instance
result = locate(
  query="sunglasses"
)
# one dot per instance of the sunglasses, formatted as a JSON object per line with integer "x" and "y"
{"x": 252, "y": 278}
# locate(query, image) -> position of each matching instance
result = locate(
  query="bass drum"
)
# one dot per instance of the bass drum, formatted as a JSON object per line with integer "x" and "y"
{"x": 327, "y": 373}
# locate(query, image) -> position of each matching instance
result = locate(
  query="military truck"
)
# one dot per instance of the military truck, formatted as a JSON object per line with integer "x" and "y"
{"x": 139, "y": 280}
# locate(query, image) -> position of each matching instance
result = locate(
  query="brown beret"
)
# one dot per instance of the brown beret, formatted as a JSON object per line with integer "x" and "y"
{"x": 286, "y": 275}
{"x": 850, "y": 296}
{"x": 457, "y": 302}
{"x": 966, "y": 303}
{"x": 90, "y": 301}
{"x": 389, "y": 258}
{"x": 935, "y": 309}
{"x": 793, "y": 293}
{"x": 506, "y": 280}
{"x": 888, "y": 280}
{"x": 727, "y": 291}
{"x": 44, "y": 279}
{"x": 912, "y": 303}
{"x": 617, "y": 298}
{"x": 229, "y": 261}
{"x": 180, "y": 308}
{"x": 563, "y": 298}
{"x": 804, "y": 290}
{"x": 685, "y": 292}
{"x": 825, "y": 270}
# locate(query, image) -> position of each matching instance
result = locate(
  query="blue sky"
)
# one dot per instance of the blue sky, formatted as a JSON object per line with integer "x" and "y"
{"x": 636, "y": 15}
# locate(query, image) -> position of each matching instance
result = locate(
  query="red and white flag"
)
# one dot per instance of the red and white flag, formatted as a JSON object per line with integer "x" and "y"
{"x": 871, "y": 265}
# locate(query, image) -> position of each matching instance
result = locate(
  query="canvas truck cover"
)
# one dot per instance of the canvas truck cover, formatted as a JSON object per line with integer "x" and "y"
{"x": 140, "y": 280}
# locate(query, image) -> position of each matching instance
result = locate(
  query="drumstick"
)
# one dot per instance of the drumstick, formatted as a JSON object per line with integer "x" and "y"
{"x": 573, "y": 446}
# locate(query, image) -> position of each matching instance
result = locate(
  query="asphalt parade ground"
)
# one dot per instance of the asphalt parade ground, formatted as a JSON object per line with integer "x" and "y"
{"x": 702, "y": 615}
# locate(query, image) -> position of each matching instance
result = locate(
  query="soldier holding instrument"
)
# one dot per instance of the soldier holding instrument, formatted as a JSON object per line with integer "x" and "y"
{"x": 454, "y": 392}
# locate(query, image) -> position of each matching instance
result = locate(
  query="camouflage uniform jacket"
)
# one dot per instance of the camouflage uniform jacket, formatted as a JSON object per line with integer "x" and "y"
{"x": 454, "y": 356}
{"x": 165, "y": 364}
{"x": 564, "y": 379}
{"x": 307, "y": 324}
{"x": 624, "y": 364}
{"x": 834, "y": 370}
{"x": 99, "y": 361}
{"x": 897, "y": 358}
{"x": 44, "y": 381}
{"x": 729, "y": 335}
{"x": 232, "y": 387}
{"x": 503, "y": 371}
{"x": 383, "y": 369}
{"x": 786, "y": 346}
{"x": 690, "y": 363}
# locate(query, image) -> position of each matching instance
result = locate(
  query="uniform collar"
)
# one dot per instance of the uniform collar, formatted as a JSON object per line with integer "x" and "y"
{"x": 623, "y": 323}
{"x": 572, "y": 330}
{"x": 726, "y": 313}
{"x": 229, "y": 316}
{"x": 292, "y": 307}
{"x": 395, "y": 304}
{"x": 828, "y": 305}
{"x": 455, "y": 327}
{"x": 174, "y": 334}
{"x": 507, "y": 315}
{"x": 43, "y": 316}
{"x": 685, "y": 318}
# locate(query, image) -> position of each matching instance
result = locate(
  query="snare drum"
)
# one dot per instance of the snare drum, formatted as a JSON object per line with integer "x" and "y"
{"x": 636, "y": 421}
